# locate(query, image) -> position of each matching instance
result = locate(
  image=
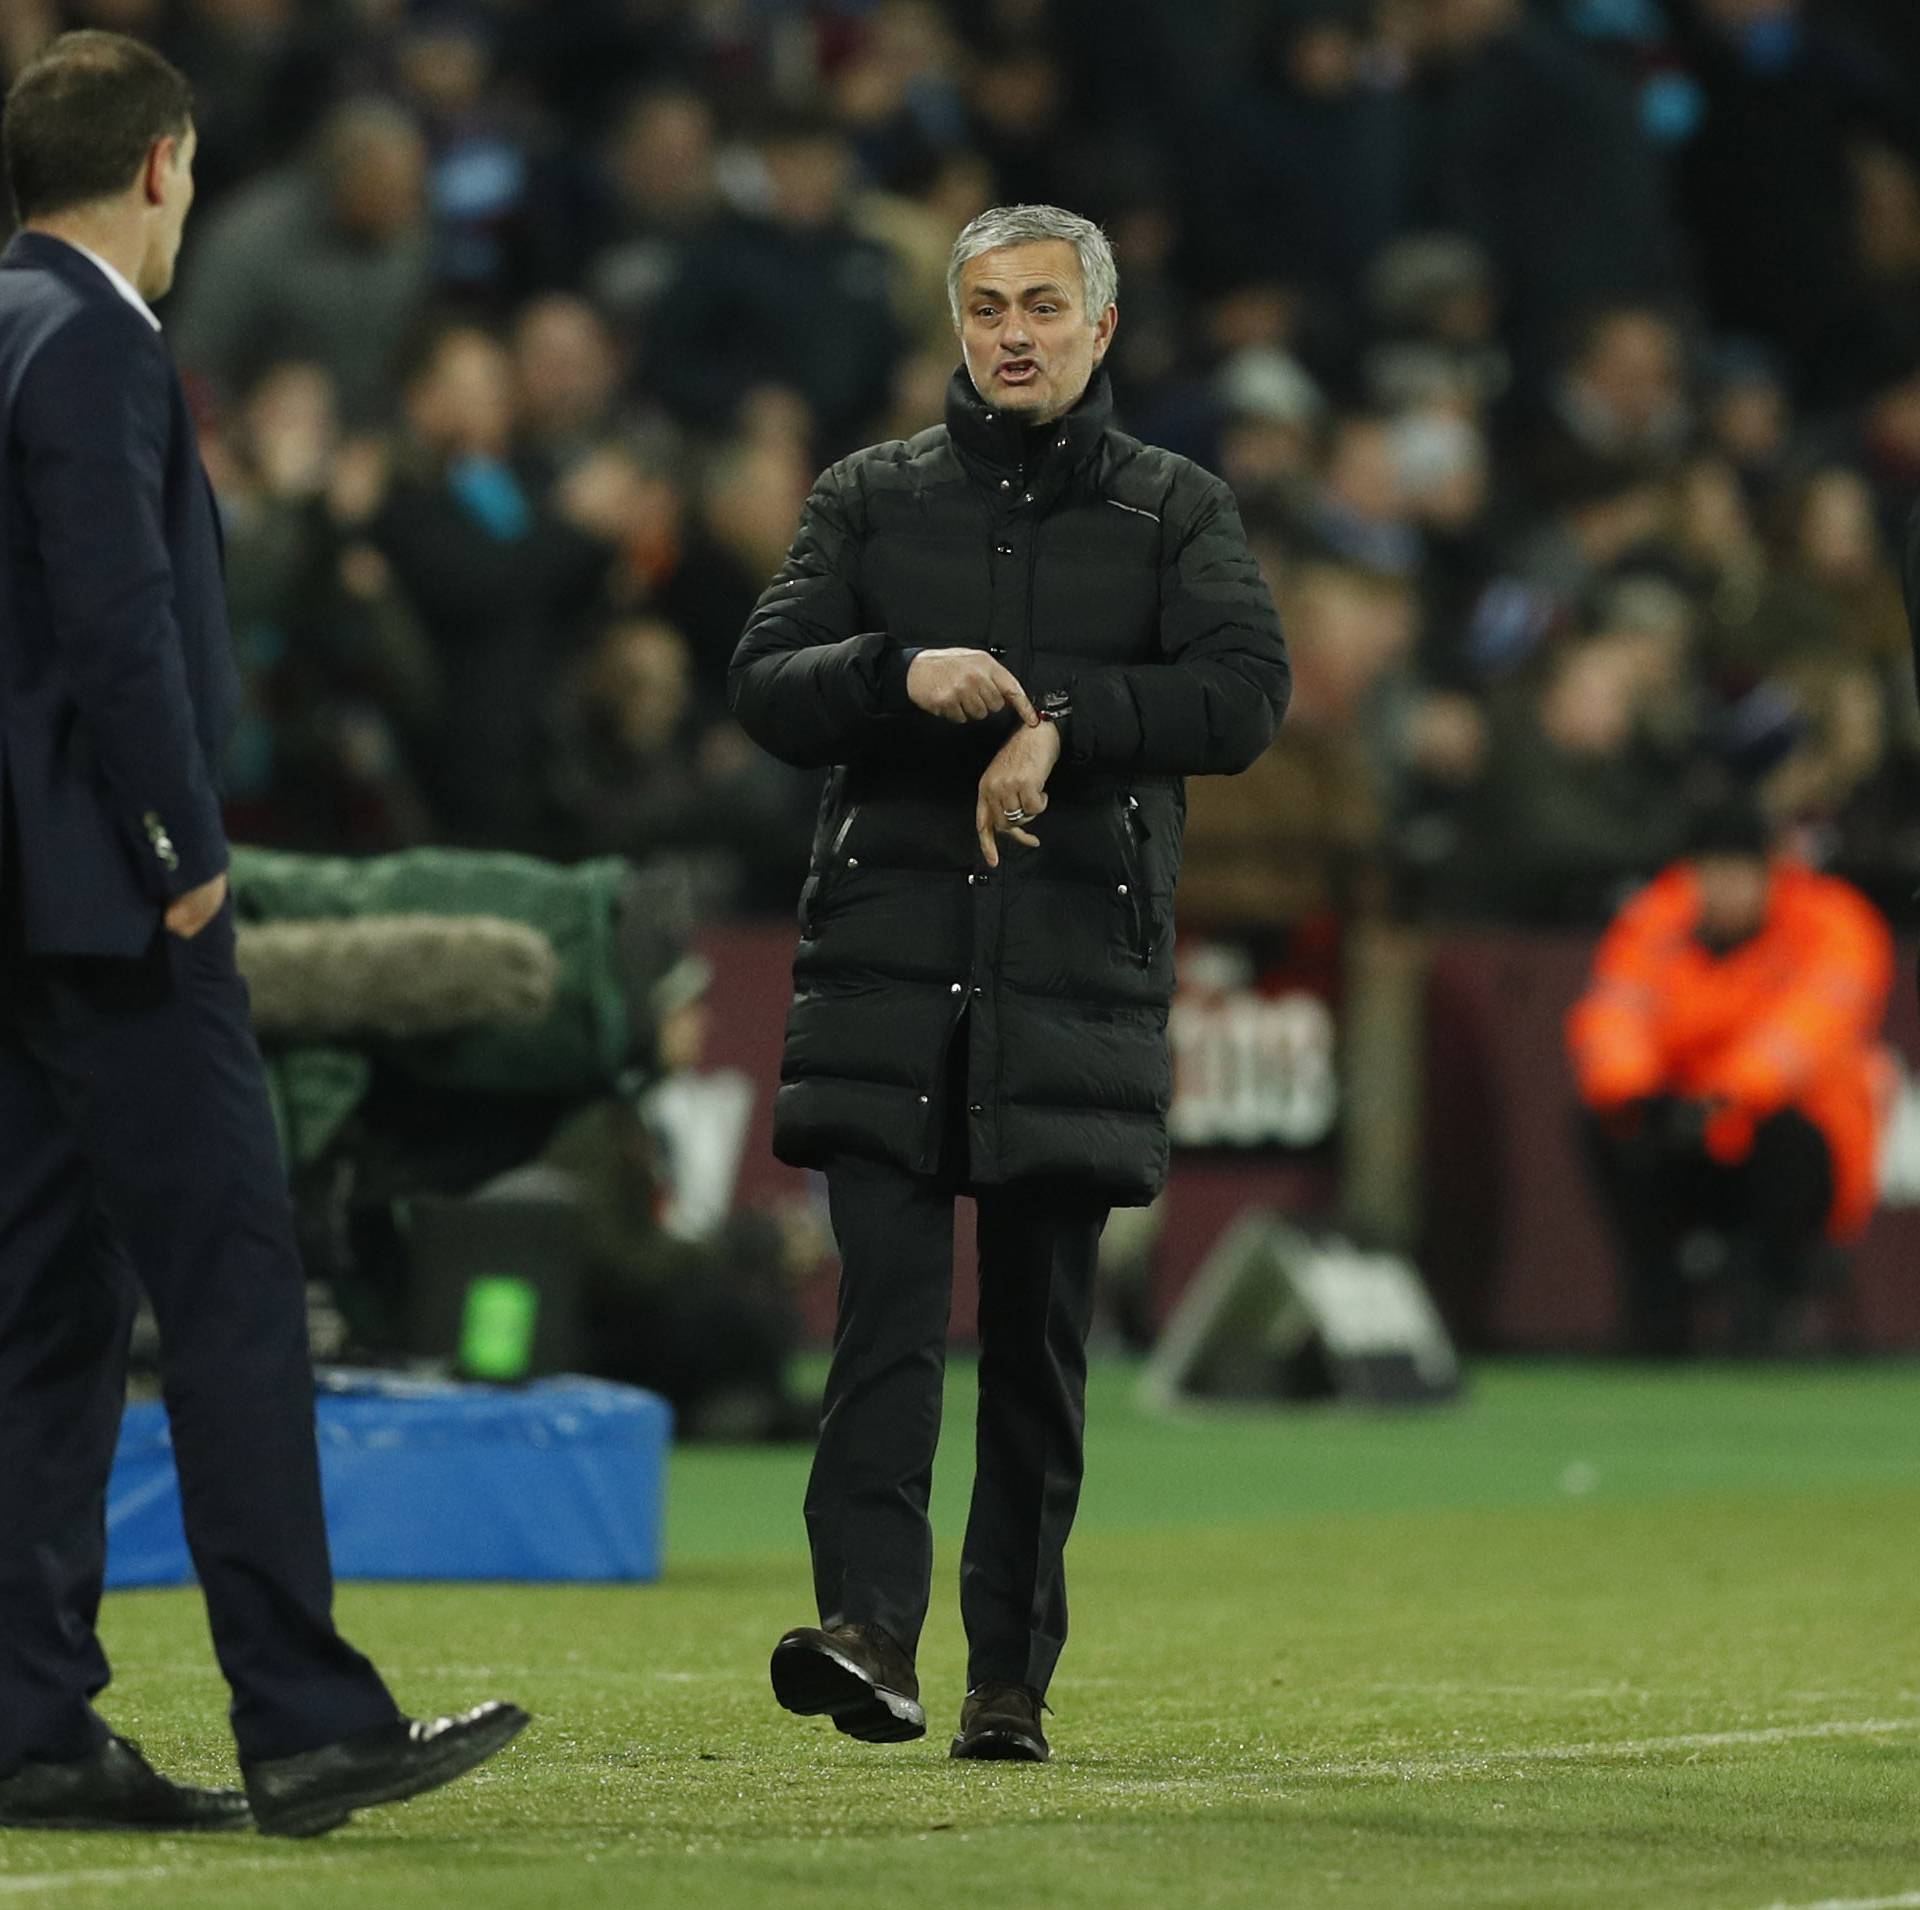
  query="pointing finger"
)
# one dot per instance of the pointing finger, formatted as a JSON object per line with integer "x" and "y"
{"x": 1010, "y": 686}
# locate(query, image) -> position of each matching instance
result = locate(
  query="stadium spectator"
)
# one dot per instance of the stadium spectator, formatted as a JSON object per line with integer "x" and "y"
{"x": 1266, "y": 414}
{"x": 899, "y": 90}
{"x": 1608, "y": 517}
{"x": 568, "y": 376}
{"x": 1714, "y": 535}
{"x": 1302, "y": 169}
{"x": 1843, "y": 772}
{"x": 639, "y": 769}
{"x": 262, "y": 73}
{"x": 787, "y": 296}
{"x": 749, "y": 500}
{"x": 1018, "y": 99}
{"x": 1515, "y": 127}
{"x": 504, "y": 200}
{"x": 1362, "y": 512}
{"x": 1434, "y": 308}
{"x": 339, "y": 686}
{"x": 1621, "y": 398}
{"x": 500, "y": 578}
{"x": 1143, "y": 219}
{"x": 1302, "y": 833}
{"x": 1833, "y": 592}
{"x": 1726, "y": 1056}
{"x": 915, "y": 227}
{"x": 326, "y": 261}
{"x": 1579, "y": 799}
{"x": 659, "y": 192}
{"x": 1767, "y": 180}
{"x": 1747, "y": 414}
{"x": 1888, "y": 221}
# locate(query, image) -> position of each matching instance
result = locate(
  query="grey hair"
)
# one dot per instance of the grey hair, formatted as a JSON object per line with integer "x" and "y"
{"x": 1028, "y": 225}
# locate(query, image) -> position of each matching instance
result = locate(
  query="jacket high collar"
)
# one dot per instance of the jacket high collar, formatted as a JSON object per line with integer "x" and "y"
{"x": 998, "y": 444}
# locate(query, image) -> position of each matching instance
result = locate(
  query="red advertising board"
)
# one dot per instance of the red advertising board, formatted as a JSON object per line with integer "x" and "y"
{"x": 1511, "y": 1244}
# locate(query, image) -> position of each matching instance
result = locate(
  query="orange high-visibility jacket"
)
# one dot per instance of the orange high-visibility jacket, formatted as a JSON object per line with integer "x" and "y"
{"x": 1789, "y": 1020}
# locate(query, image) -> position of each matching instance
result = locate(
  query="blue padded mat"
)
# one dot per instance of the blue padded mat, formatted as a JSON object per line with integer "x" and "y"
{"x": 562, "y": 1479}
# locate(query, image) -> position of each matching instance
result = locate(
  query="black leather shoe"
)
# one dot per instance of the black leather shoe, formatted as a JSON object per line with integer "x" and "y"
{"x": 1002, "y": 1721}
{"x": 317, "y": 1791}
{"x": 856, "y": 1675}
{"x": 114, "y": 1789}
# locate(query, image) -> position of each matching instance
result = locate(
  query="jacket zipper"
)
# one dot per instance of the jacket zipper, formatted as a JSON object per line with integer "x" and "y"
{"x": 1133, "y": 828}
{"x": 1025, "y": 662}
{"x": 824, "y": 880}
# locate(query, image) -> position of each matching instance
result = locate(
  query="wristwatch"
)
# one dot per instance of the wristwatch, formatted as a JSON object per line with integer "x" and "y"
{"x": 1054, "y": 706}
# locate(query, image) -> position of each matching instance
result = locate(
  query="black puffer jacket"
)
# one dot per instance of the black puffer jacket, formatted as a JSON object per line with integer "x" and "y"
{"x": 1089, "y": 563}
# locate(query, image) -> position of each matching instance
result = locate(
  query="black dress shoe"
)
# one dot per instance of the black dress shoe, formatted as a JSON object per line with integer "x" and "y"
{"x": 856, "y": 1675}
{"x": 317, "y": 1791}
{"x": 1002, "y": 1721}
{"x": 114, "y": 1789}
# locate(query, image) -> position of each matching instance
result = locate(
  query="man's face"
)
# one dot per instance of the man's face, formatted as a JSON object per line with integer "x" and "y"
{"x": 1030, "y": 343}
{"x": 463, "y": 406}
{"x": 169, "y": 179}
{"x": 1636, "y": 369}
{"x": 807, "y": 181}
{"x": 1734, "y": 891}
{"x": 380, "y": 188}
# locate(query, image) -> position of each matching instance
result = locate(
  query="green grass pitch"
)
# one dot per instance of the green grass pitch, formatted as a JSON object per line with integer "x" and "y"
{"x": 1590, "y": 1638}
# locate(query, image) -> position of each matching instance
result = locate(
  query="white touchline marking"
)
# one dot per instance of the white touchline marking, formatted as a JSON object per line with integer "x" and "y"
{"x": 1234, "y": 1785}
{"x": 28, "y": 1883}
{"x": 1612, "y": 1747}
{"x": 1907, "y": 1900}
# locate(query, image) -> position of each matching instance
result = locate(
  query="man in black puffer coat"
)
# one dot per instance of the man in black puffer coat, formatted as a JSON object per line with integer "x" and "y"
{"x": 1012, "y": 637}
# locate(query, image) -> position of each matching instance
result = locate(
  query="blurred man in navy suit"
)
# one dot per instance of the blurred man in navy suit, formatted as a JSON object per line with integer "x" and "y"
{"x": 136, "y": 1140}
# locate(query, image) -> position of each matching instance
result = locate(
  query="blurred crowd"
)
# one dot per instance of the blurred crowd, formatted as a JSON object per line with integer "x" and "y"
{"x": 1565, "y": 358}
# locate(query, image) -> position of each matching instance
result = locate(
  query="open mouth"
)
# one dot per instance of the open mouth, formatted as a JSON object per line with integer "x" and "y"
{"x": 1018, "y": 371}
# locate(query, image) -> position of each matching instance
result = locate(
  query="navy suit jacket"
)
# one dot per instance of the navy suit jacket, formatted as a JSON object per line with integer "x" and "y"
{"x": 118, "y": 689}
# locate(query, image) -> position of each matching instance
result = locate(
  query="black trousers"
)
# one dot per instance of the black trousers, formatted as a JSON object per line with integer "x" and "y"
{"x": 137, "y": 1143}
{"x": 867, "y": 1499}
{"x": 1771, "y": 1209}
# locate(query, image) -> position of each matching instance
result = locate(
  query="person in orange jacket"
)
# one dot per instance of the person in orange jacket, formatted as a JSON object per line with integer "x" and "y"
{"x": 1726, "y": 1052}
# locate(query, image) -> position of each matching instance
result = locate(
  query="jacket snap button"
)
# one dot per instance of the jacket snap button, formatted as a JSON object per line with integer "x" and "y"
{"x": 958, "y": 988}
{"x": 977, "y": 1107}
{"x": 923, "y": 1100}
{"x": 1123, "y": 888}
{"x": 971, "y": 880}
{"x": 979, "y": 990}
{"x": 1005, "y": 550}
{"x": 1026, "y": 497}
{"x": 853, "y": 862}
{"x": 1006, "y": 484}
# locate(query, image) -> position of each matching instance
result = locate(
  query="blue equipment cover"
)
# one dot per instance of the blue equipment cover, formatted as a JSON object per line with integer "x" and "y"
{"x": 561, "y": 1479}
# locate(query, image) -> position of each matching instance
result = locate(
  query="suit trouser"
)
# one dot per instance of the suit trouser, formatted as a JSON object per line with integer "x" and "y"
{"x": 136, "y": 1141}
{"x": 867, "y": 1499}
